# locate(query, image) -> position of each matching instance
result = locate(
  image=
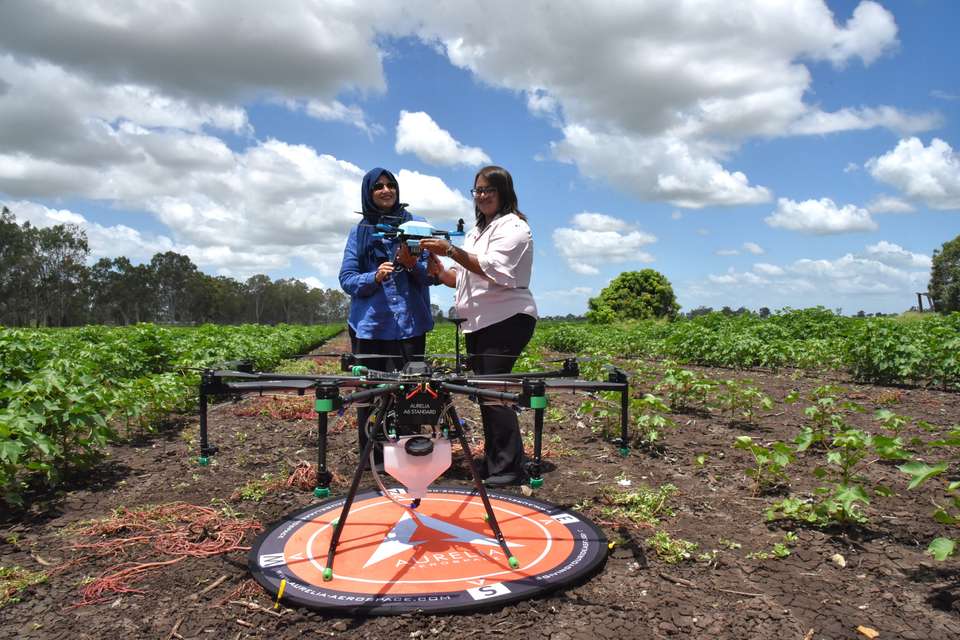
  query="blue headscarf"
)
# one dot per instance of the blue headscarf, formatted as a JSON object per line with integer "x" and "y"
{"x": 370, "y": 211}
{"x": 376, "y": 250}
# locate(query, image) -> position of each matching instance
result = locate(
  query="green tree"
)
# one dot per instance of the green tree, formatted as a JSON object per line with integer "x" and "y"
{"x": 634, "y": 295}
{"x": 62, "y": 252}
{"x": 18, "y": 269}
{"x": 944, "y": 285}
{"x": 256, "y": 288}
{"x": 171, "y": 272}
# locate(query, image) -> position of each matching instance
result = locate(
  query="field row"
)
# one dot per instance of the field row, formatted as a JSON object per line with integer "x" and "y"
{"x": 67, "y": 393}
{"x": 888, "y": 351}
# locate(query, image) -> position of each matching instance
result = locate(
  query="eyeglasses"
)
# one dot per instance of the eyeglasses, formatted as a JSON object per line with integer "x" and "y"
{"x": 379, "y": 186}
{"x": 476, "y": 193}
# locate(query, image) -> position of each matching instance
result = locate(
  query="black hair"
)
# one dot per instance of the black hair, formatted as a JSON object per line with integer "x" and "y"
{"x": 501, "y": 180}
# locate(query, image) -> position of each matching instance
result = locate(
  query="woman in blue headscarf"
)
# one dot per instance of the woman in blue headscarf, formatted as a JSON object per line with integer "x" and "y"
{"x": 388, "y": 286}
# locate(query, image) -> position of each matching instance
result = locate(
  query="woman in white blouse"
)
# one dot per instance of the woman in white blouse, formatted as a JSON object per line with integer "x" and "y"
{"x": 492, "y": 275}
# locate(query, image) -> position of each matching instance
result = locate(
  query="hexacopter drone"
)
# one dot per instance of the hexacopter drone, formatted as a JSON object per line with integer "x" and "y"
{"x": 412, "y": 231}
{"x": 417, "y": 401}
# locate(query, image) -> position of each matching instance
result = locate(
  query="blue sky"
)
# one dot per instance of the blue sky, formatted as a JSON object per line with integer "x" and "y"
{"x": 756, "y": 153}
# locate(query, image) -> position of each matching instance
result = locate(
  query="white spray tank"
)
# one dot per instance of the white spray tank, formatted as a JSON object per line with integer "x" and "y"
{"x": 416, "y": 461}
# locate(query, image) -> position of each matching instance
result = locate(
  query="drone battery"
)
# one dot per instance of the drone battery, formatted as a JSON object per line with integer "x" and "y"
{"x": 413, "y": 470}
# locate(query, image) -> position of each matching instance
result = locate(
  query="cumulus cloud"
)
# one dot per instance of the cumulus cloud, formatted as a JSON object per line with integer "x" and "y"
{"x": 767, "y": 269}
{"x": 889, "y": 204}
{"x": 213, "y": 52}
{"x": 896, "y": 256}
{"x": 657, "y": 168}
{"x": 417, "y": 133}
{"x": 597, "y": 239}
{"x": 746, "y": 247}
{"x": 336, "y": 111}
{"x": 430, "y": 197}
{"x": 655, "y": 97}
{"x": 285, "y": 200}
{"x": 853, "y": 119}
{"x": 929, "y": 174}
{"x": 574, "y": 293}
{"x": 104, "y": 241}
{"x": 884, "y": 272}
{"x": 820, "y": 217}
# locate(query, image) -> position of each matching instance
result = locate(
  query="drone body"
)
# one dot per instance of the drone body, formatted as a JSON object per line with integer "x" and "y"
{"x": 413, "y": 231}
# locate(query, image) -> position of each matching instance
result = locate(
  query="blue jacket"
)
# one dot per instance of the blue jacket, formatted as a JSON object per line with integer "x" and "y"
{"x": 399, "y": 308}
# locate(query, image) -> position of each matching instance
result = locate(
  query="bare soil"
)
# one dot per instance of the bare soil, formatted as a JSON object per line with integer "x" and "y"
{"x": 887, "y": 584}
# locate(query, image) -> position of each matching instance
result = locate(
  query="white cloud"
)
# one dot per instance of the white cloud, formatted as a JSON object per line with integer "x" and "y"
{"x": 767, "y": 269}
{"x": 313, "y": 283}
{"x": 213, "y": 52}
{"x": 104, "y": 242}
{"x": 727, "y": 252}
{"x": 889, "y": 204}
{"x": 896, "y": 256}
{"x": 848, "y": 119}
{"x": 734, "y": 278}
{"x": 754, "y": 248}
{"x": 431, "y": 198}
{"x": 575, "y": 293}
{"x": 944, "y": 95}
{"x": 928, "y": 174}
{"x": 417, "y": 133}
{"x": 820, "y": 217}
{"x": 660, "y": 168}
{"x": 870, "y": 32}
{"x": 285, "y": 200}
{"x": 598, "y": 239}
{"x": 336, "y": 111}
{"x": 599, "y": 222}
{"x": 655, "y": 97}
{"x": 884, "y": 272}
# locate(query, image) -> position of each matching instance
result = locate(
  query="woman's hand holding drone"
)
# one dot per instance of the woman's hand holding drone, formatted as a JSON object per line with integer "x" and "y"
{"x": 406, "y": 258}
{"x": 384, "y": 271}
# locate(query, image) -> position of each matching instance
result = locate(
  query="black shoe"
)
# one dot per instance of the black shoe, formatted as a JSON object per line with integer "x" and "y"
{"x": 502, "y": 480}
{"x": 481, "y": 467}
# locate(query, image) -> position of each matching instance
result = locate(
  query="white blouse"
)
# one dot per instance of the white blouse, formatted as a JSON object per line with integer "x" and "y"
{"x": 504, "y": 250}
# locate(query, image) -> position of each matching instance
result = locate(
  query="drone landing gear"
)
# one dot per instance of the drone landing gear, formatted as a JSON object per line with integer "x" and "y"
{"x": 451, "y": 429}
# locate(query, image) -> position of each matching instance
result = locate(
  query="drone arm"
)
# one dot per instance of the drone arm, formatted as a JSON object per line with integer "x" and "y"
{"x": 482, "y": 393}
{"x": 366, "y": 394}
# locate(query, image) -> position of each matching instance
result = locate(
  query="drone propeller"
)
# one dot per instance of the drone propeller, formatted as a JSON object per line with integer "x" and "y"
{"x": 574, "y": 358}
{"x": 228, "y": 373}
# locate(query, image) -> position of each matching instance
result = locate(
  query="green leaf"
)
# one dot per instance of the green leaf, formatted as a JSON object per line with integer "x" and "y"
{"x": 943, "y": 516}
{"x": 804, "y": 440}
{"x": 883, "y": 490}
{"x": 850, "y": 494}
{"x": 10, "y": 451}
{"x": 942, "y": 548}
{"x": 921, "y": 472}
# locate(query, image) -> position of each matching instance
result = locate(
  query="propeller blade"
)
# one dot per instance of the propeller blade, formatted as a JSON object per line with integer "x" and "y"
{"x": 227, "y": 373}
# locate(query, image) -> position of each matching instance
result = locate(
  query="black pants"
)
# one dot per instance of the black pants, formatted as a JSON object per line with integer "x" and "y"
{"x": 395, "y": 354}
{"x": 495, "y": 349}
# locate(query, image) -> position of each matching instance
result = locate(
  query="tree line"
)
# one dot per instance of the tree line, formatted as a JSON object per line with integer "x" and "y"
{"x": 45, "y": 281}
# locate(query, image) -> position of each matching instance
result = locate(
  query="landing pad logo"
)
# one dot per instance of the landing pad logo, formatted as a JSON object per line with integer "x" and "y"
{"x": 400, "y": 540}
{"x": 445, "y": 553}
